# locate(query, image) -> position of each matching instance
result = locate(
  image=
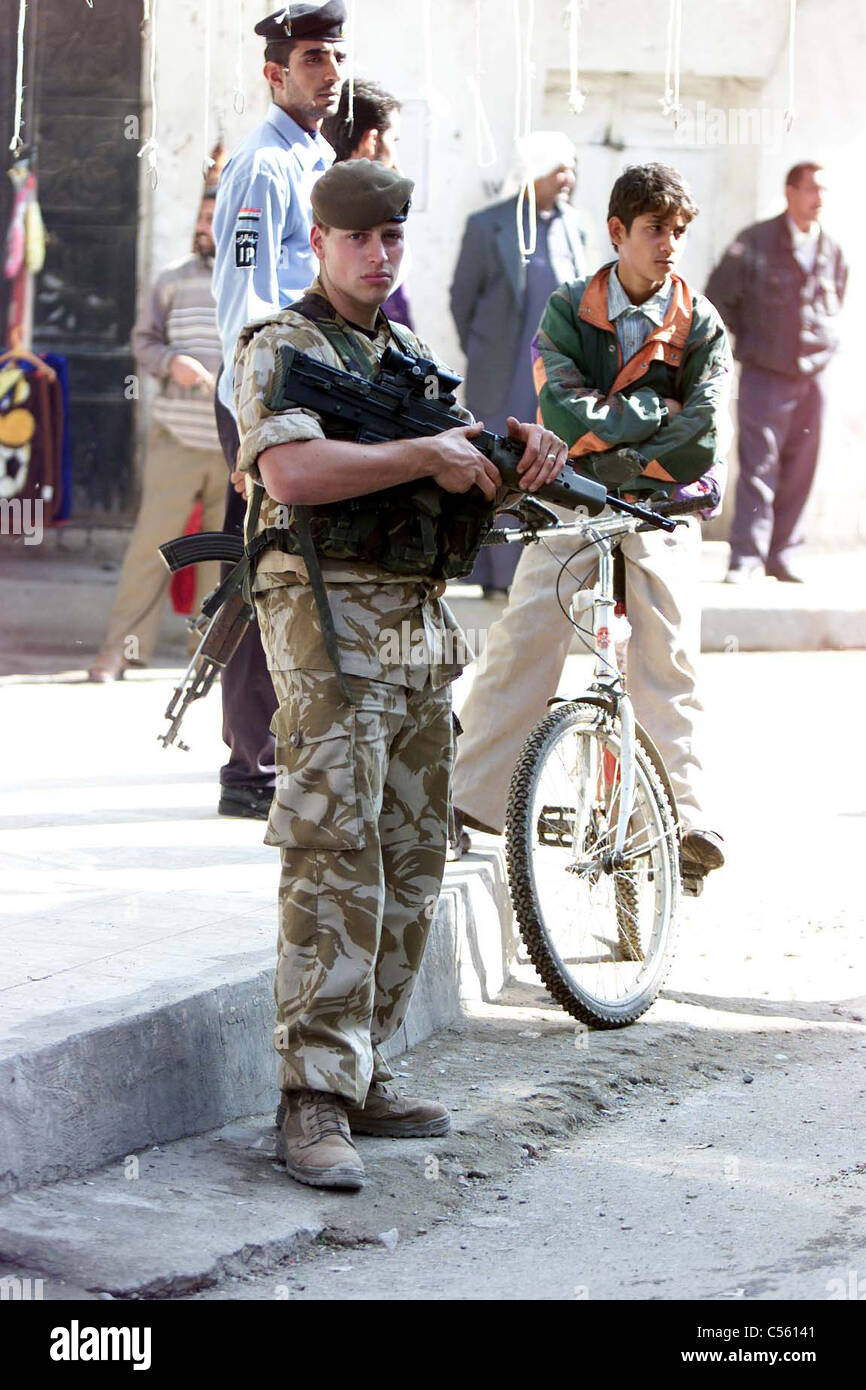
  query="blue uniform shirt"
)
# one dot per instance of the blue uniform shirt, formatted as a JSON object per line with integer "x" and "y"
{"x": 261, "y": 228}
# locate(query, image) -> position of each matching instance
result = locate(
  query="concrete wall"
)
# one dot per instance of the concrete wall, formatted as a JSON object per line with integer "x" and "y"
{"x": 733, "y": 58}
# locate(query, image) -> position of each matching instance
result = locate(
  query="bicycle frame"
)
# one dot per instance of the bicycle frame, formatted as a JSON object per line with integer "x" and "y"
{"x": 608, "y": 679}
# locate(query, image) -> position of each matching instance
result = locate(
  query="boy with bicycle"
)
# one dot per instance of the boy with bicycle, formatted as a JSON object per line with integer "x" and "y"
{"x": 628, "y": 357}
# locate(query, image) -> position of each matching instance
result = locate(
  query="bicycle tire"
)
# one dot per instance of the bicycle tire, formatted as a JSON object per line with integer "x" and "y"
{"x": 530, "y": 833}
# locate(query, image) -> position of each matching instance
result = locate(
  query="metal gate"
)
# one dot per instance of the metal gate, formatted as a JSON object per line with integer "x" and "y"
{"x": 85, "y": 114}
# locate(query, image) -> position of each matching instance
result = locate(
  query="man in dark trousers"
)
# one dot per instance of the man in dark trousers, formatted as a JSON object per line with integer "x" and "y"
{"x": 779, "y": 287}
{"x": 263, "y": 262}
{"x": 497, "y": 301}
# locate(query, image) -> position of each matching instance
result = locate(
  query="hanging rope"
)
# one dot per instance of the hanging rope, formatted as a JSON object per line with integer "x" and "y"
{"x": 351, "y": 78}
{"x": 529, "y": 77}
{"x": 526, "y": 197}
{"x": 428, "y": 53}
{"x": 240, "y": 99}
{"x": 524, "y": 76}
{"x": 790, "y": 112}
{"x": 518, "y": 68}
{"x": 207, "y": 162}
{"x": 576, "y": 98}
{"x": 150, "y": 148}
{"x": 671, "y": 100}
{"x": 16, "y": 143}
{"x": 485, "y": 145}
{"x": 668, "y": 94}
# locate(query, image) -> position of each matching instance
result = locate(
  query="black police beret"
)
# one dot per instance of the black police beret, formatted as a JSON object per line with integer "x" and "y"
{"x": 305, "y": 19}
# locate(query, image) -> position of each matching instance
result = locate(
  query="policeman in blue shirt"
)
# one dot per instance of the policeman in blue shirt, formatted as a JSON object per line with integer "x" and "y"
{"x": 263, "y": 262}
{"x": 262, "y": 219}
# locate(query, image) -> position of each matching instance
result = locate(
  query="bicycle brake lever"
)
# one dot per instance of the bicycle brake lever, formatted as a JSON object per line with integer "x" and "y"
{"x": 532, "y": 513}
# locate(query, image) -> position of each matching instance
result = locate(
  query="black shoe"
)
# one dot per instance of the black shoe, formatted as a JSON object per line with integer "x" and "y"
{"x": 777, "y": 569}
{"x": 249, "y": 803}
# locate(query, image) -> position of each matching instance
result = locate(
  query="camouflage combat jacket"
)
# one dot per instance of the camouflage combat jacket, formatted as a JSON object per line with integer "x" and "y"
{"x": 389, "y": 627}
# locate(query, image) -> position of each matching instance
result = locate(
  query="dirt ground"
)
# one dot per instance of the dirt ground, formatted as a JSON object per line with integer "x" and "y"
{"x": 713, "y": 1150}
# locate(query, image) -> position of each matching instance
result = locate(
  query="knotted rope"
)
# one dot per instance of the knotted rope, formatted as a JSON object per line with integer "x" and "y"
{"x": 671, "y": 100}
{"x": 16, "y": 143}
{"x": 150, "y": 148}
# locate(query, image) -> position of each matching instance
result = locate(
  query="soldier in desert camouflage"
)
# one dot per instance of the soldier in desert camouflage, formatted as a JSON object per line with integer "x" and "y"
{"x": 364, "y": 749}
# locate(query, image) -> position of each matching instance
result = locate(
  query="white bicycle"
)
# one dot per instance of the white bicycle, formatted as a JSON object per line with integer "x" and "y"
{"x": 592, "y": 841}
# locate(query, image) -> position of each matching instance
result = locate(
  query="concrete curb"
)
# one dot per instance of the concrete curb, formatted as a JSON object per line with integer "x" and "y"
{"x": 89, "y": 1085}
{"x": 776, "y": 618}
{"x": 62, "y": 600}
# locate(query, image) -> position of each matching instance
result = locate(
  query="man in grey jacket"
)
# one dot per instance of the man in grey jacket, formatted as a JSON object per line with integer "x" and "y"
{"x": 497, "y": 300}
{"x": 779, "y": 287}
{"x": 175, "y": 340}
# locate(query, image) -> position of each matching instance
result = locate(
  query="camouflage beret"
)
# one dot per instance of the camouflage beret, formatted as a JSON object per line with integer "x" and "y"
{"x": 358, "y": 194}
{"x": 305, "y": 19}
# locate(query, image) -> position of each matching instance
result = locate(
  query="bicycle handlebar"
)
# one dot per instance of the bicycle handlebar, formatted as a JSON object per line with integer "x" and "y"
{"x": 685, "y": 506}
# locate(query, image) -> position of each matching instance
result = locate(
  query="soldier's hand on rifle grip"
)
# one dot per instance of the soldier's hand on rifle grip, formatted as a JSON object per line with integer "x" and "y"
{"x": 456, "y": 465}
{"x": 544, "y": 457}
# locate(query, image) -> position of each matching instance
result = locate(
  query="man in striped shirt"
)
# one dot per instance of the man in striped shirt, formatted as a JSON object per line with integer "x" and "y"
{"x": 175, "y": 340}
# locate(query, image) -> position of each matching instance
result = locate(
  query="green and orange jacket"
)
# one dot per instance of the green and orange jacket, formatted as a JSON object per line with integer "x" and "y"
{"x": 595, "y": 401}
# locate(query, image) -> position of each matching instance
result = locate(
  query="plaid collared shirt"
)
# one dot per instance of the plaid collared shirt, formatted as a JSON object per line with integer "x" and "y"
{"x": 635, "y": 322}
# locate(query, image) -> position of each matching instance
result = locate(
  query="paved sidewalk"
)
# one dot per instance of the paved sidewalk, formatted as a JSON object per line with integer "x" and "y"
{"x": 139, "y": 931}
{"x": 56, "y": 606}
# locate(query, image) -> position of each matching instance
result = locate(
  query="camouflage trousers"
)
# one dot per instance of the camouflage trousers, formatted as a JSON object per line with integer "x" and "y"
{"x": 360, "y": 816}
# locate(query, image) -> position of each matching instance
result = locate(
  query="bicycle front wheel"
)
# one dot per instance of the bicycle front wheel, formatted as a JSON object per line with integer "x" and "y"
{"x": 600, "y": 932}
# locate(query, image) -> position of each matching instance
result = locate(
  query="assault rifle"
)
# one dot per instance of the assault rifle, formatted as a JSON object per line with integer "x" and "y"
{"x": 226, "y": 614}
{"x": 411, "y": 398}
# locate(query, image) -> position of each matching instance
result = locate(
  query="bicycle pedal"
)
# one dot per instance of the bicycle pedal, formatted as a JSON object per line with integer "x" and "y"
{"x": 555, "y": 826}
{"x": 693, "y": 885}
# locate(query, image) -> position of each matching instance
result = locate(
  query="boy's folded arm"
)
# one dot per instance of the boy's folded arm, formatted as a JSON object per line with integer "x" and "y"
{"x": 586, "y": 418}
{"x": 687, "y": 446}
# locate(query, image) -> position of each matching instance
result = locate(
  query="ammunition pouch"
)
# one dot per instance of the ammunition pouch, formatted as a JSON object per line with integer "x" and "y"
{"x": 415, "y": 530}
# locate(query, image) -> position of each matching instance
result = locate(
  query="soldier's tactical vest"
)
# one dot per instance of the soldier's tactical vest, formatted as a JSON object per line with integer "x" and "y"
{"x": 416, "y": 529}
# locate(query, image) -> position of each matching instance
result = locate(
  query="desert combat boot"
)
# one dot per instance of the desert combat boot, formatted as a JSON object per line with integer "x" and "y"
{"x": 386, "y": 1112}
{"x": 314, "y": 1141}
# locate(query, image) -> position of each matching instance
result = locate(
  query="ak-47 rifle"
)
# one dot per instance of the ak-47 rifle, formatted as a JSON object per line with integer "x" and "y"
{"x": 410, "y": 398}
{"x": 224, "y": 619}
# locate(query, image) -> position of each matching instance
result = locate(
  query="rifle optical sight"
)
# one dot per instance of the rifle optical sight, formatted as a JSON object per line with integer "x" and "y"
{"x": 417, "y": 373}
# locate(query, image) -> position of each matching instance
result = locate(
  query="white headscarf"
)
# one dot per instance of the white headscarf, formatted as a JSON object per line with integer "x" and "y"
{"x": 538, "y": 154}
